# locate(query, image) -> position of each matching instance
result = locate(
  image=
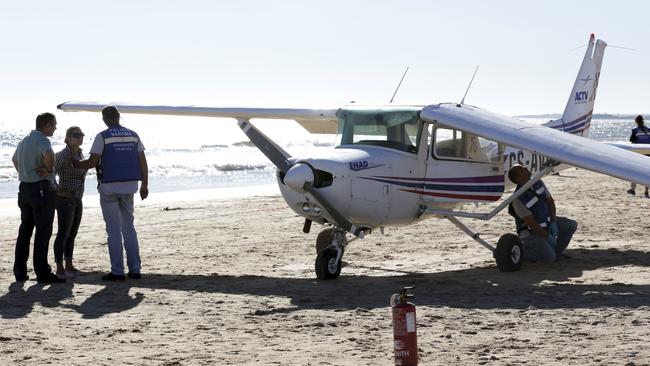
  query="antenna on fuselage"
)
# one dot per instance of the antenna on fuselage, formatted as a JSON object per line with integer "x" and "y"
{"x": 400, "y": 83}
{"x": 470, "y": 84}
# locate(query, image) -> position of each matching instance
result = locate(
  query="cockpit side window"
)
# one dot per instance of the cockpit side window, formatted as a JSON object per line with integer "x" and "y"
{"x": 448, "y": 143}
{"x": 457, "y": 145}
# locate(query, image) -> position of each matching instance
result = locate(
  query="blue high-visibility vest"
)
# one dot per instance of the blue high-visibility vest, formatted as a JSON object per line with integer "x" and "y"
{"x": 120, "y": 162}
{"x": 641, "y": 135}
{"x": 535, "y": 200}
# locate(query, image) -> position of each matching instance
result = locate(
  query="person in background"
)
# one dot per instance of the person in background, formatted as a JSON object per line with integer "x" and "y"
{"x": 34, "y": 162}
{"x": 69, "y": 206}
{"x": 544, "y": 235}
{"x": 640, "y": 135}
{"x": 118, "y": 154}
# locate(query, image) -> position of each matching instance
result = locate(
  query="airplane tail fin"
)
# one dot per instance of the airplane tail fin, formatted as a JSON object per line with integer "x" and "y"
{"x": 576, "y": 118}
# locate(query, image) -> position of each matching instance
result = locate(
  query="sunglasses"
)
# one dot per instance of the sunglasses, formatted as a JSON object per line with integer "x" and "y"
{"x": 77, "y": 135}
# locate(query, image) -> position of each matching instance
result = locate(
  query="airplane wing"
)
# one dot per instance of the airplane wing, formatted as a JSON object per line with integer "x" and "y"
{"x": 317, "y": 121}
{"x": 560, "y": 146}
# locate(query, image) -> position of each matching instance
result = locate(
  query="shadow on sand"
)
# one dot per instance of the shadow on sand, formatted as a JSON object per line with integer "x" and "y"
{"x": 537, "y": 285}
{"x": 20, "y": 301}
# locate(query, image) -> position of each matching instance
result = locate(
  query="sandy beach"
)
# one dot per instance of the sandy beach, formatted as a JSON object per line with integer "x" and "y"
{"x": 230, "y": 281}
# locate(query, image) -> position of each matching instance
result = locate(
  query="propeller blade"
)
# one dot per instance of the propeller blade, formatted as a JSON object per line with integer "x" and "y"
{"x": 278, "y": 157}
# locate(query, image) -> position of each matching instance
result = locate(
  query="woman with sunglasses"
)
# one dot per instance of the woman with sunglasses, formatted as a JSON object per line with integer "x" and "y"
{"x": 69, "y": 191}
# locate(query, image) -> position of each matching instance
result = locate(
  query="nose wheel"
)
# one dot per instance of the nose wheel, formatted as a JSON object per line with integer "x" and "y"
{"x": 328, "y": 264}
{"x": 330, "y": 245}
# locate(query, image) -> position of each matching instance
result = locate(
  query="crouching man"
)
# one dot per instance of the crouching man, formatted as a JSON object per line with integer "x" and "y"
{"x": 544, "y": 235}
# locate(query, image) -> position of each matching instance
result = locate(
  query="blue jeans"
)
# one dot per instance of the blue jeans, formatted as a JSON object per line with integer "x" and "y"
{"x": 537, "y": 248}
{"x": 68, "y": 211}
{"x": 117, "y": 210}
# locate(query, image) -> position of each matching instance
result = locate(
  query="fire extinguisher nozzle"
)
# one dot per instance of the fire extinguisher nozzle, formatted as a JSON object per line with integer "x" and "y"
{"x": 404, "y": 293}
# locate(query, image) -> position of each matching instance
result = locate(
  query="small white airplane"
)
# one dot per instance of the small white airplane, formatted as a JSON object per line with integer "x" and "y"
{"x": 397, "y": 164}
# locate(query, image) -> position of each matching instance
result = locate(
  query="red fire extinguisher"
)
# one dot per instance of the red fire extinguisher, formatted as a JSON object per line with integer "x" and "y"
{"x": 405, "y": 338}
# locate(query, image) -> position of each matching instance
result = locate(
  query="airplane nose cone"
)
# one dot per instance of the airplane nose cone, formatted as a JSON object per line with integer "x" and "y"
{"x": 297, "y": 176}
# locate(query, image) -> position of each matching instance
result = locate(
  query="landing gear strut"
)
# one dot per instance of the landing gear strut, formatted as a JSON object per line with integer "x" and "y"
{"x": 330, "y": 246}
{"x": 509, "y": 253}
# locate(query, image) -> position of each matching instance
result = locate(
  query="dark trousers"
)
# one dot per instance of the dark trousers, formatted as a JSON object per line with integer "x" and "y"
{"x": 36, "y": 202}
{"x": 68, "y": 213}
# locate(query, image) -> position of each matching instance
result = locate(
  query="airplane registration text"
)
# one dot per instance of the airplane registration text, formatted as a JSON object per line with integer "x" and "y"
{"x": 534, "y": 162}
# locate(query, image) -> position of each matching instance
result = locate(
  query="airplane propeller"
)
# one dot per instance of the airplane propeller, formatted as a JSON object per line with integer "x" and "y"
{"x": 298, "y": 176}
{"x": 278, "y": 157}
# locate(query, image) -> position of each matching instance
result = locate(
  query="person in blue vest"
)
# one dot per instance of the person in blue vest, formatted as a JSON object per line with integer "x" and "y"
{"x": 118, "y": 155}
{"x": 34, "y": 162}
{"x": 544, "y": 235}
{"x": 640, "y": 135}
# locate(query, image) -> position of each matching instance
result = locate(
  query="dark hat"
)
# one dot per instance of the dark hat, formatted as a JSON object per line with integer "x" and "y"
{"x": 639, "y": 119}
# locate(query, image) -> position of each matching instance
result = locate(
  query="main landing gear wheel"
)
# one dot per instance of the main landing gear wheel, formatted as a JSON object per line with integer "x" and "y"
{"x": 327, "y": 267}
{"x": 509, "y": 253}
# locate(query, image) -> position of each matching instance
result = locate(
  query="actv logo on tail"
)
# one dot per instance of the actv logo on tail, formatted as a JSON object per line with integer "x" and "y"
{"x": 581, "y": 96}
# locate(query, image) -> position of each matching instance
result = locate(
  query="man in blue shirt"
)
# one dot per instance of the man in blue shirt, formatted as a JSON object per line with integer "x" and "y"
{"x": 118, "y": 154}
{"x": 34, "y": 161}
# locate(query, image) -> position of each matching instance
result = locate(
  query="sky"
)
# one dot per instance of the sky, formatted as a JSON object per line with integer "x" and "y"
{"x": 316, "y": 53}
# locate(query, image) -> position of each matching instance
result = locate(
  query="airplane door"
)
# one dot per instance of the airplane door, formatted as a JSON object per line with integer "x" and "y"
{"x": 460, "y": 167}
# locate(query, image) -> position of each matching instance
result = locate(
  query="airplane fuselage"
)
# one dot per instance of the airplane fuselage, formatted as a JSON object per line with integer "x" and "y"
{"x": 376, "y": 180}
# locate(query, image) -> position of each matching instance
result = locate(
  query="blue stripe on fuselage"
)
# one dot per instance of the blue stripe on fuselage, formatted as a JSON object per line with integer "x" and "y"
{"x": 443, "y": 187}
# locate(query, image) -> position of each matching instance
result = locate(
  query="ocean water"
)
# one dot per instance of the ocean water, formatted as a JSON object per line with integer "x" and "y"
{"x": 199, "y": 153}
{"x": 182, "y": 153}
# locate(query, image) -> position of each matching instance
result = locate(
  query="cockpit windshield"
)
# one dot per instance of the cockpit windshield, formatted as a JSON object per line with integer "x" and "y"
{"x": 395, "y": 128}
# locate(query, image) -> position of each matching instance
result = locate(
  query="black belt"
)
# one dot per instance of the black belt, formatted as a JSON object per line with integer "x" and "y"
{"x": 35, "y": 183}
{"x": 42, "y": 184}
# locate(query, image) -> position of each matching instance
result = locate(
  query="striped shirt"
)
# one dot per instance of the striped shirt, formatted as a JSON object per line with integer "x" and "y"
{"x": 70, "y": 179}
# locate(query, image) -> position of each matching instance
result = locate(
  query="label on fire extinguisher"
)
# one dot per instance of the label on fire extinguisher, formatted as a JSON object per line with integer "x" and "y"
{"x": 410, "y": 322}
